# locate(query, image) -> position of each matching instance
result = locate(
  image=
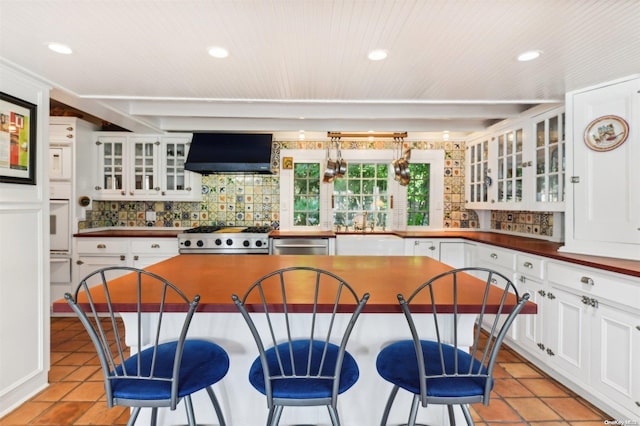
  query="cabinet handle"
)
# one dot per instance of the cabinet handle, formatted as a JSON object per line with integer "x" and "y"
{"x": 136, "y": 257}
{"x": 541, "y": 346}
{"x": 79, "y": 262}
{"x": 528, "y": 265}
{"x": 391, "y": 202}
{"x": 123, "y": 193}
{"x": 155, "y": 245}
{"x": 70, "y": 136}
{"x": 493, "y": 256}
{"x": 523, "y": 279}
{"x": 69, "y": 129}
{"x": 586, "y": 280}
{"x": 98, "y": 188}
{"x": 164, "y": 193}
{"x": 432, "y": 248}
{"x": 122, "y": 257}
{"x": 188, "y": 188}
{"x": 551, "y": 296}
{"x": 130, "y": 193}
{"x": 101, "y": 246}
{"x": 585, "y": 300}
{"x": 157, "y": 188}
{"x": 593, "y": 303}
{"x": 542, "y": 293}
{"x": 550, "y": 352}
{"x": 638, "y": 327}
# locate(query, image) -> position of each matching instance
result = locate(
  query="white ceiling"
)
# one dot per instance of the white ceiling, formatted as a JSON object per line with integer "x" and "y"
{"x": 302, "y": 64}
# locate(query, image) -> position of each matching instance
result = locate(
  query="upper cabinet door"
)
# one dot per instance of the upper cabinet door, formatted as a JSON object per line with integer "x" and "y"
{"x": 605, "y": 218}
{"x": 549, "y": 160}
{"x": 509, "y": 180}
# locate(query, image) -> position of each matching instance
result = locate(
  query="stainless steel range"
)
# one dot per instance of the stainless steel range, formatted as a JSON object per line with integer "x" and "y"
{"x": 225, "y": 240}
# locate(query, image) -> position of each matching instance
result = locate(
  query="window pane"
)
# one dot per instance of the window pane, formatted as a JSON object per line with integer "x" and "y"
{"x": 418, "y": 195}
{"x": 306, "y": 194}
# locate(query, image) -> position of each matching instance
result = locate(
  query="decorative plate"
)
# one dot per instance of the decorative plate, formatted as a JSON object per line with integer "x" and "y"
{"x": 606, "y": 133}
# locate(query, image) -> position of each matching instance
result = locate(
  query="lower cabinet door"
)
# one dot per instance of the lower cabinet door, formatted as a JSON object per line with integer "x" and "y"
{"x": 89, "y": 264}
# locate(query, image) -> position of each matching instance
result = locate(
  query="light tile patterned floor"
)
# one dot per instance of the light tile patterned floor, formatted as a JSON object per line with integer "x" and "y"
{"x": 522, "y": 394}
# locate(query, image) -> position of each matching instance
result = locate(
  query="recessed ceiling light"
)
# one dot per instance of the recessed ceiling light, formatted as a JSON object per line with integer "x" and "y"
{"x": 529, "y": 55}
{"x": 377, "y": 55}
{"x": 60, "y": 48}
{"x": 218, "y": 52}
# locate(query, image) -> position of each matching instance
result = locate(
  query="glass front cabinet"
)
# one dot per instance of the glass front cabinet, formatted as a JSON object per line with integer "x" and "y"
{"x": 519, "y": 164}
{"x": 144, "y": 167}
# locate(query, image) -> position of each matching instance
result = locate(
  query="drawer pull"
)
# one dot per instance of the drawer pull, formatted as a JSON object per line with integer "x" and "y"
{"x": 79, "y": 262}
{"x": 551, "y": 296}
{"x": 542, "y": 293}
{"x": 493, "y": 256}
{"x": 136, "y": 257}
{"x": 638, "y": 327}
{"x": 122, "y": 257}
{"x": 528, "y": 265}
{"x": 585, "y": 300}
{"x": 101, "y": 246}
{"x": 550, "y": 352}
{"x": 155, "y": 245}
{"x": 586, "y": 280}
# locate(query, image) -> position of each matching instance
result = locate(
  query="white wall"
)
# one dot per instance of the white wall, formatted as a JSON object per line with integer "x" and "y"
{"x": 24, "y": 260}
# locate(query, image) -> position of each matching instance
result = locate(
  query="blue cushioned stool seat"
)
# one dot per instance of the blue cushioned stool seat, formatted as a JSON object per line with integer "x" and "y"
{"x": 203, "y": 363}
{"x": 397, "y": 363}
{"x": 297, "y": 387}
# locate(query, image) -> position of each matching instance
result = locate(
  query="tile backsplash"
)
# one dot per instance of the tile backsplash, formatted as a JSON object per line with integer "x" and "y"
{"x": 247, "y": 200}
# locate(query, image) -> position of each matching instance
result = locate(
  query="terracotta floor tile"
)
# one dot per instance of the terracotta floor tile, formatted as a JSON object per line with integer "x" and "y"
{"x": 83, "y": 373}
{"x": 532, "y": 409}
{"x": 55, "y": 391}
{"x": 78, "y": 358}
{"x": 510, "y": 388}
{"x": 544, "y": 387}
{"x": 521, "y": 370}
{"x": 580, "y": 423}
{"x": 100, "y": 414}
{"x": 25, "y": 413}
{"x": 63, "y": 414}
{"x": 59, "y": 372}
{"x": 497, "y": 411}
{"x": 86, "y": 391}
{"x": 572, "y": 409}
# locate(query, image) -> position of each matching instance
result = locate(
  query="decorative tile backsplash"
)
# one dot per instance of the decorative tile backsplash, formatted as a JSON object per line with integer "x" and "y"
{"x": 246, "y": 200}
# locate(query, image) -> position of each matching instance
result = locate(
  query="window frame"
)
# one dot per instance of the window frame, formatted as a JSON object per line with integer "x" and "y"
{"x": 398, "y": 218}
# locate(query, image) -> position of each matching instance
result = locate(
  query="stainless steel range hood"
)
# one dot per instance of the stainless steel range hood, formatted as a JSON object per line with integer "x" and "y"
{"x": 213, "y": 153}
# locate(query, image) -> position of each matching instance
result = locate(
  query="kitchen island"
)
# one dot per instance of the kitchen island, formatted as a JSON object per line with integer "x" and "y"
{"x": 215, "y": 278}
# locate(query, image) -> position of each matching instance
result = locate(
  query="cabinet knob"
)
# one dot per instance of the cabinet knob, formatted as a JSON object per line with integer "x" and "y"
{"x": 136, "y": 257}
{"x": 155, "y": 245}
{"x": 493, "y": 256}
{"x": 122, "y": 257}
{"x": 130, "y": 193}
{"x": 101, "y": 246}
{"x": 97, "y": 188}
{"x": 69, "y": 136}
{"x": 523, "y": 279}
{"x": 69, "y": 129}
{"x": 157, "y": 188}
{"x": 79, "y": 262}
{"x": 528, "y": 265}
{"x": 188, "y": 188}
{"x": 123, "y": 193}
{"x": 542, "y": 293}
{"x": 551, "y": 296}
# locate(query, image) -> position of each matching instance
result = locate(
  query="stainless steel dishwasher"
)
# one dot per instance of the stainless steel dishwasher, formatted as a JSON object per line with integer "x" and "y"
{"x": 300, "y": 246}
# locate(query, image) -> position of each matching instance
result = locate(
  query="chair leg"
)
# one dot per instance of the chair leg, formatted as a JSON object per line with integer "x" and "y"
{"x": 415, "y": 404}
{"x": 274, "y": 415}
{"x": 133, "y": 416}
{"x": 191, "y": 418}
{"x": 452, "y": 416}
{"x": 216, "y": 406}
{"x": 467, "y": 414}
{"x": 387, "y": 408}
{"x": 333, "y": 413}
{"x": 154, "y": 416}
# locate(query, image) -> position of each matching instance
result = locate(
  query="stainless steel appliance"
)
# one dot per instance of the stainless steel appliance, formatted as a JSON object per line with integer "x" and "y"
{"x": 225, "y": 240}
{"x": 300, "y": 246}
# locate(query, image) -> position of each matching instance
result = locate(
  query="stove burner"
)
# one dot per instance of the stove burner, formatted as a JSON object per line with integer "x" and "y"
{"x": 202, "y": 230}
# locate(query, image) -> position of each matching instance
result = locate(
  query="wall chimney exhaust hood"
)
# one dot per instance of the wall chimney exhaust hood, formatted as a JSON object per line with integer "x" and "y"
{"x": 212, "y": 153}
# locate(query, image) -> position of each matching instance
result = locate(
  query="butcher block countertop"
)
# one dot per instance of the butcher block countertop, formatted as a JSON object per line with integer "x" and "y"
{"x": 216, "y": 278}
{"x": 523, "y": 244}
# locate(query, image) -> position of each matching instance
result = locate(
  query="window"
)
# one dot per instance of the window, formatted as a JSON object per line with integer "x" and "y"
{"x": 367, "y": 198}
{"x": 418, "y": 192}
{"x": 361, "y": 198}
{"x": 306, "y": 194}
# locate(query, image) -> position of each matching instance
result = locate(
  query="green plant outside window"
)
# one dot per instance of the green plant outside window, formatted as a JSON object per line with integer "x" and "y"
{"x": 418, "y": 195}
{"x": 306, "y": 194}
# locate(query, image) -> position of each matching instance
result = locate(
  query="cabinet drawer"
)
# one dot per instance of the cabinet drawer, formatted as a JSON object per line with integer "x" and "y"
{"x": 593, "y": 283}
{"x": 167, "y": 246}
{"x": 102, "y": 246}
{"x": 493, "y": 256}
{"x": 530, "y": 266}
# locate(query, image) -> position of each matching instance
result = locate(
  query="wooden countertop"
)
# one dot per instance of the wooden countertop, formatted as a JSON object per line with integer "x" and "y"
{"x": 527, "y": 245}
{"x": 216, "y": 278}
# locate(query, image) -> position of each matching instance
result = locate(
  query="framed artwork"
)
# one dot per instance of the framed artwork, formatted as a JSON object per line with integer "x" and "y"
{"x": 17, "y": 140}
{"x": 606, "y": 133}
{"x": 287, "y": 163}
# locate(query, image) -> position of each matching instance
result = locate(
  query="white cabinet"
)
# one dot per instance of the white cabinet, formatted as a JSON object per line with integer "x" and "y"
{"x": 144, "y": 167}
{"x": 518, "y": 164}
{"x": 604, "y": 215}
{"x": 422, "y": 247}
{"x": 594, "y": 334}
{"x": 95, "y": 253}
{"x": 530, "y": 279}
